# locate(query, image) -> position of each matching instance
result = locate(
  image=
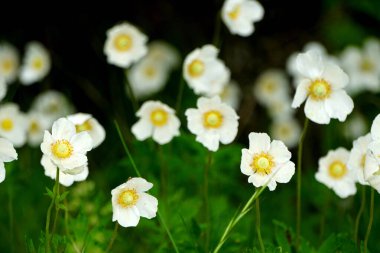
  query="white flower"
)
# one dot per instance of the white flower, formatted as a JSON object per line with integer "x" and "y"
{"x": 231, "y": 95}
{"x": 355, "y": 126}
{"x": 212, "y": 122}
{"x": 372, "y": 171}
{"x": 12, "y": 124}
{"x": 266, "y": 162}
{"x": 280, "y": 109}
{"x": 7, "y": 154}
{"x": 158, "y": 121}
{"x": 321, "y": 84}
{"x": 271, "y": 86}
{"x": 358, "y": 157}
{"x": 334, "y": 173}
{"x": 37, "y": 123}
{"x": 85, "y": 122}
{"x": 64, "y": 179}
{"x": 287, "y": 130}
{"x": 125, "y": 45}
{"x": 3, "y": 88}
{"x": 9, "y": 62}
{"x": 363, "y": 66}
{"x": 239, "y": 16}
{"x": 130, "y": 201}
{"x": 374, "y": 146}
{"x": 36, "y": 64}
{"x": 164, "y": 53}
{"x": 204, "y": 72}
{"x": 65, "y": 147}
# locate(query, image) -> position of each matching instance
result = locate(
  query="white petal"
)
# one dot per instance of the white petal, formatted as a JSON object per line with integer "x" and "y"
{"x": 127, "y": 217}
{"x": 138, "y": 183}
{"x": 246, "y": 160}
{"x": 258, "y": 180}
{"x": 142, "y": 129}
{"x": 339, "y": 105}
{"x": 75, "y": 161}
{"x": 301, "y": 93}
{"x": 2, "y": 172}
{"x": 63, "y": 129}
{"x": 147, "y": 206}
{"x": 209, "y": 140}
{"x": 375, "y": 128}
{"x": 335, "y": 76}
{"x": 7, "y": 151}
{"x": 280, "y": 152}
{"x": 316, "y": 112}
{"x": 163, "y": 135}
{"x": 82, "y": 142}
{"x": 285, "y": 172}
{"x": 259, "y": 142}
{"x": 310, "y": 64}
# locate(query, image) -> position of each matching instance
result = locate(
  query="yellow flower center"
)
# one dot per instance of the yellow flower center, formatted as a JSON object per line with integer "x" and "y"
{"x": 196, "y": 68}
{"x": 62, "y": 149}
{"x": 123, "y": 42}
{"x": 128, "y": 198}
{"x": 150, "y": 71}
{"x": 269, "y": 86}
{"x": 362, "y": 161}
{"x": 212, "y": 119}
{"x": 7, "y": 65}
{"x": 319, "y": 89}
{"x": 285, "y": 131}
{"x": 262, "y": 163}
{"x": 7, "y": 124}
{"x": 234, "y": 14}
{"x": 159, "y": 117}
{"x": 37, "y": 63}
{"x": 85, "y": 126}
{"x": 366, "y": 65}
{"x": 34, "y": 127}
{"x": 337, "y": 169}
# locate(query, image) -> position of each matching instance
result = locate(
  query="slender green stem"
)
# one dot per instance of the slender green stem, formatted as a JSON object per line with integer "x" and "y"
{"x": 371, "y": 208}
{"x": 113, "y": 238}
{"x": 299, "y": 181}
{"x": 56, "y": 212}
{"x": 11, "y": 217}
{"x": 163, "y": 223}
{"x": 180, "y": 94}
{"x": 359, "y": 215}
{"x": 68, "y": 234}
{"x": 216, "y": 41}
{"x": 48, "y": 215}
{"x": 258, "y": 225}
{"x": 163, "y": 172}
{"x": 206, "y": 200}
{"x": 131, "y": 94}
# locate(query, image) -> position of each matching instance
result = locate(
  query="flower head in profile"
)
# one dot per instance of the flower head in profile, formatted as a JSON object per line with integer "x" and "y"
{"x": 239, "y": 16}
{"x": 164, "y": 53}
{"x": 334, "y": 173}
{"x": 66, "y": 148}
{"x": 7, "y": 154}
{"x": 286, "y": 129}
{"x": 358, "y": 158}
{"x": 84, "y": 122}
{"x": 212, "y": 122}
{"x": 9, "y": 62}
{"x": 13, "y": 124}
{"x": 321, "y": 84}
{"x": 204, "y": 72}
{"x": 266, "y": 162}
{"x": 124, "y": 45}
{"x": 36, "y": 64}
{"x": 158, "y": 121}
{"x": 37, "y": 123}
{"x": 231, "y": 94}
{"x": 130, "y": 202}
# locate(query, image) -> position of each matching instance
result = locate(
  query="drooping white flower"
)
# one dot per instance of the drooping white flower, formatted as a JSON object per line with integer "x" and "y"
{"x": 334, "y": 173}
{"x": 204, "y": 72}
{"x": 12, "y": 124}
{"x": 164, "y": 53}
{"x": 355, "y": 126}
{"x": 158, "y": 121}
{"x": 37, "y": 123}
{"x": 239, "y": 16}
{"x": 9, "y": 62}
{"x": 130, "y": 202}
{"x": 266, "y": 162}
{"x": 85, "y": 122}
{"x": 287, "y": 130}
{"x": 124, "y": 45}
{"x": 212, "y": 122}
{"x": 321, "y": 84}
{"x": 64, "y": 179}
{"x": 358, "y": 157}
{"x": 231, "y": 95}
{"x": 36, "y": 64}
{"x": 7, "y": 154}
{"x": 66, "y": 148}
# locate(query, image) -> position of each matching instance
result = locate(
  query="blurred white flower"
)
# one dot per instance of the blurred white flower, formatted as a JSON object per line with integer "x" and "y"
{"x": 231, "y": 95}
{"x": 239, "y": 15}
{"x": 66, "y": 148}
{"x": 85, "y": 122}
{"x": 321, "y": 84}
{"x": 287, "y": 130}
{"x": 130, "y": 201}
{"x": 280, "y": 109}
{"x": 204, "y": 72}
{"x": 124, "y": 45}
{"x": 3, "y": 88}
{"x": 157, "y": 120}
{"x": 9, "y": 62}
{"x": 36, "y": 64}
{"x": 164, "y": 53}
{"x": 358, "y": 157}
{"x": 374, "y": 146}
{"x": 37, "y": 123}
{"x": 355, "y": 126}
{"x": 266, "y": 162}
{"x": 212, "y": 122}
{"x": 363, "y": 66}
{"x": 7, "y": 154}
{"x": 333, "y": 173}
{"x": 13, "y": 125}
{"x": 372, "y": 171}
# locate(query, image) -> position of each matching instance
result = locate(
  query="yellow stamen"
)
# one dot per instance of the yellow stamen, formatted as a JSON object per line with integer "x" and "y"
{"x": 7, "y": 65}
{"x": 37, "y": 63}
{"x": 212, "y": 119}
{"x": 196, "y": 68}
{"x": 366, "y": 65}
{"x": 337, "y": 169}
{"x": 85, "y": 126}
{"x": 319, "y": 89}
{"x": 7, "y": 124}
{"x": 62, "y": 149}
{"x": 159, "y": 117}
{"x": 150, "y": 71}
{"x": 234, "y": 14}
{"x": 262, "y": 163}
{"x": 123, "y": 42}
{"x": 128, "y": 198}
{"x": 34, "y": 127}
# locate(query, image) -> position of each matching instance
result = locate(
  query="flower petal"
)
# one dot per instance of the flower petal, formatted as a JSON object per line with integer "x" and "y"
{"x": 316, "y": 112}
{"x": 259, "y": 142}
{"x": 142, "y": 129}
{"x": 147, "y": 206}
{"x": 280, "y": 152}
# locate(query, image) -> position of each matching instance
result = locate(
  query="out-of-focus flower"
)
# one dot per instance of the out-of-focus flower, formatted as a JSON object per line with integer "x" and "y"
{"x": 266, "y": 162}
{"x": 36, "y": 64}
{"x": 9, "y": 62}
{"x": 130, "y": 201}
{"x": 358, "y": 157}
{"x": 7, "y": 154}
{"x": 287, "y": 130}
{"x": 372, "y": 171}
{"x": 355, "y": 126}
{"x": 13, "y": 124}
{"x": 158, "y": 121}
{"x": 164, "y": 53}
{"x": 204, "y": 72}
{"x": 334, "y": 173}
{"x": 321, "y": 84}
{"x": 66, "y": 148}
{"x": 280, "y": 109}
{"x": 231, "y": 95}
{"x": 85, "y": 122}
{"x": 37, "y": 123}
{"x": 239, "y": 16}
{"x": 212, "y": 122}
{"x": 3, "y": 88}
{"x": 124, "y": 45}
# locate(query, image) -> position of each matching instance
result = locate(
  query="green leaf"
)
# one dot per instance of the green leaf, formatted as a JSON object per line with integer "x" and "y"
{"x": 338, "y": 243}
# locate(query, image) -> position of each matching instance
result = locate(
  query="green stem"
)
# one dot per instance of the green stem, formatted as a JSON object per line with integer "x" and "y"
{"x": 163, "y": 223}
{"x": 113, "y": 238}
{"x": 180, "y": 94}
{"x": 131, "y": 94}
{"x": 370, "y": 220}
{"x": 299, "y": 181}
{"x": 216, "y": 38}
{"x": 206, "y": 200}
{"x": 48, "y": 215}
{"x": 71, "y": 239}
{"x": 56, "y": 212}
{"x": 359, "y": 215}
{"x": 163, "y": 172}
{"x": 11, "y": 217}
{"x": 258, "y": 225}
